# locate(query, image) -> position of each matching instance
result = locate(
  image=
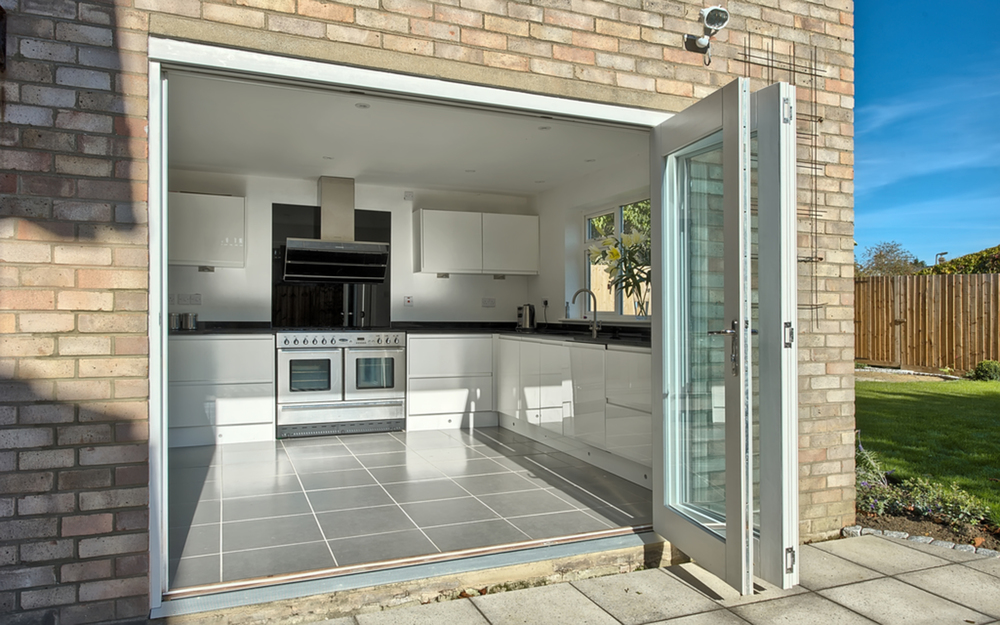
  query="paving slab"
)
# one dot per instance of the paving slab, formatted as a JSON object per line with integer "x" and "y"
{"x": 986, "y": 565}
{"x": 882, "y": 555}
{"x": 457, "y": 612}
{"x": 722, "y": 593}
{"x": 718, "y": 617}
{"x": 644, "y": 596}
{"x": 559, "y": 604}
{"x": 821, "y": 569}
{"x": 807, "y": 609}
{"x": 344, "y": 620}
{"x": 962, "y": 584}
{"x": 953, "y": 555}
{"x": 891, "y": 602}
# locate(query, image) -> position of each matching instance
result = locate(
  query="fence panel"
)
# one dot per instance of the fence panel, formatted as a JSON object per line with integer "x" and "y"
{"x": 927, "y": 323}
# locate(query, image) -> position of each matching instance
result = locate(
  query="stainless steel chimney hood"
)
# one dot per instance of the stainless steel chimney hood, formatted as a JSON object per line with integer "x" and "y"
{"x": 336, "y": 256}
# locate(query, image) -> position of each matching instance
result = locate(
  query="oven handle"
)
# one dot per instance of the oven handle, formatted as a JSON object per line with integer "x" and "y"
{"x": 308, "y": 350}
{"x": 341, "y": 404}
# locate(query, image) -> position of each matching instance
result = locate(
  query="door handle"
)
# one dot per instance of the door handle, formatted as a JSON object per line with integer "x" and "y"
{"x": 734, "y": 355}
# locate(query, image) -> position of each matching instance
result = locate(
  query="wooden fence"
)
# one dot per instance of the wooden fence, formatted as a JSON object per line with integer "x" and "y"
{"x": 927, "y": 323}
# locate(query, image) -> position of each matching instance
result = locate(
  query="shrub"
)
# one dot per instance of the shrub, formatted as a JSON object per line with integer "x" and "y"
{"x": 986, "y": 370}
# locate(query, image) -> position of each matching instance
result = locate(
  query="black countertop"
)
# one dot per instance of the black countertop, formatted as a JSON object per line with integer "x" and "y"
{"x": 227, "y": 327}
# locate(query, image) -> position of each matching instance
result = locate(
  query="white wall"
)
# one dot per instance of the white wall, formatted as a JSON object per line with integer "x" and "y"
{"x": 561, "y": 212}
{"x": 245, "y": 294}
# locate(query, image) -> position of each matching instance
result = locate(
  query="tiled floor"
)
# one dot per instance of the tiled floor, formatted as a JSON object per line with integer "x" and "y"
{"x": 251, "y": 510}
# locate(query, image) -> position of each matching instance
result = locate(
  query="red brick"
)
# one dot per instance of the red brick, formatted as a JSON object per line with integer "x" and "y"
{"x": 326, "y": 10}
{"x": 28, "y": 483}
{"x": 597, "y": 42}
{"x": 125, "y": 345}
{"x": 47, "y": 276}
{"x": 434, "y": 30}
{"x": 573, "y": 55}
{"x": 81, "y": 571}
{"x": 484, "y": 39}
{"x": 129, "y": 566}
{"x": 25, "y": 161}
{"x": 87, "y": 525}
{"x": 48, "y": 186}
{"x": 89, "y": 478}
{"x": 137, "y": 475}
{"x": 113, "y": 323}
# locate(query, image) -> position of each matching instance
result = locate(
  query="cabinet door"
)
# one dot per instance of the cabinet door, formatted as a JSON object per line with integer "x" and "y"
{"x": 629, "y": 379}
{"x": 510, "y": 243}
{"x": 450, "y": 242}
{"x": 449, "y": 356}
{"x": 464, "y": 395}
{"x": 587, "y": 370}
{"x": 530, "y": 375}
{"x": 206, "y": 230}
{"x": 207, "y": 359}
{"x": 508, "y": 377}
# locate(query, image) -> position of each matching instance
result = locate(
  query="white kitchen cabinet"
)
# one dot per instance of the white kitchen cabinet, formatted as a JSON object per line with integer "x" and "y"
{"x": 629, "y": 418}
{"x": 554, "y": 384}
{"x": 448, "y": 241}
{"x": 529, "y": 382}
{"x": 509, "y": 376}
{"x": 449, "y": 381}
{"x": 220, "y": 389}
{"x": 587, "y": 375}
{"x": 510, "y": 244}
{"x": 474, "y": 243}
{"x": 206, "y": 230}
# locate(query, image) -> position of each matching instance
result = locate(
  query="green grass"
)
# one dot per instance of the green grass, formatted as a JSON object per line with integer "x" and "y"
{"x": 946, "y": 431}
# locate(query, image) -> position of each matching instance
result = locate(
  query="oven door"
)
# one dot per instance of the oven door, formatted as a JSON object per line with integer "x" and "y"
{"x": 310, "y": 375}
{"x": 374, "y": 373}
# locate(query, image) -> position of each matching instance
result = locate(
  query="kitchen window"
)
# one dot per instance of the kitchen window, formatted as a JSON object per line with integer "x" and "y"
{"x": 611, "y": 234}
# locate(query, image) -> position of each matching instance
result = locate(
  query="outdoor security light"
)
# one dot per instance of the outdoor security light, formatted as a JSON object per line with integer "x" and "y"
{"x": 715, "y": 19}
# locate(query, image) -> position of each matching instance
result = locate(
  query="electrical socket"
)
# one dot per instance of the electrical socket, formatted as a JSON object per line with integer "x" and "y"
{"x": 489, "y": 302}
{"x": 545, "y": 303}
{"x": 183, "y": 299}
{"x": 196, "y": 299}
{"x": 171, "y": 299}
{"x": 407, "y": 300}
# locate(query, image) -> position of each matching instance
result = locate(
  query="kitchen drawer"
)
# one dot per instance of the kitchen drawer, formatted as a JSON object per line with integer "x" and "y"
{"x": 462, "y": 395}
{"x": 451, "y": 356}
{"x": 221, "y": 359}
{"x": 629, "y": 434}
{"x": 220, "y": 435}
{"x": 192, "y": 405}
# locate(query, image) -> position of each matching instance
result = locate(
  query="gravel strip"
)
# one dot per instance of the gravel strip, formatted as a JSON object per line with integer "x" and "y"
{"x": 856, "y": 530}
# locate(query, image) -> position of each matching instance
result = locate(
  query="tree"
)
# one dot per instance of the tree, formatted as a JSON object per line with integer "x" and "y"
{"x": 888, "y": 258}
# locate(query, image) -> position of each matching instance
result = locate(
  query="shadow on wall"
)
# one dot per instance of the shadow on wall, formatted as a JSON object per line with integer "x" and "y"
{"x": 73, "y": 316}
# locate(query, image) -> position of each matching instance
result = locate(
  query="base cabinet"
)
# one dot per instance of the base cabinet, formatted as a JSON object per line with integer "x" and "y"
{"x": 449, "y": 381}
{"x": 220, "y": 389}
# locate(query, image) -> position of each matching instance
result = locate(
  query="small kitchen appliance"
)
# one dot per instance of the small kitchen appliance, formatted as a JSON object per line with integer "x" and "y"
{"x": 526, "y": 318}
{"x": 340, "y": 382}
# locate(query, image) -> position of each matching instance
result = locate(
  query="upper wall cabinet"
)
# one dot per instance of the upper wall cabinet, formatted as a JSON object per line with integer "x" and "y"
{"x": 206, "y": 230}
{"x": 510, "y": 243}
{"x": 466, "y": 242}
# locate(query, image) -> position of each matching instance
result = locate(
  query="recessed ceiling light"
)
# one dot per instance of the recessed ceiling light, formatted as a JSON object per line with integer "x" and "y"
{"x": 362, "y": 105}
{"x": 545, "y": 127}
{"x": 327, "y": 158}
{"x": 590, "y": 160}
{"x": 539, "y": 182}
{"x": 470, "y": 171}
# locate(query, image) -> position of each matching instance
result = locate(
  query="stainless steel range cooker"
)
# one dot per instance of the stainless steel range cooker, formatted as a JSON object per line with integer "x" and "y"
{"x": 340, "y": 382}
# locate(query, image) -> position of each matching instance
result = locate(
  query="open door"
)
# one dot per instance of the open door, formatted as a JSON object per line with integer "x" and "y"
{"x": 723, "y": 178}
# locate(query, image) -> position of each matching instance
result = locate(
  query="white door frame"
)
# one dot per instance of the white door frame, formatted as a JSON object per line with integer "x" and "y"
{"x": 164, "y": 54}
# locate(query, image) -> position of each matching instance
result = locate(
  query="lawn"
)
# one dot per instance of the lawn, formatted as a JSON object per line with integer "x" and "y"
{"x": 947, "y": 431}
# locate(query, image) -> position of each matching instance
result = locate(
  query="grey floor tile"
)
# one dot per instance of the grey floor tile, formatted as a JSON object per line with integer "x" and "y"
{"x": 447, "y": 512}
{"x": 624, "y": 515}
{"x": 260, "y": 533}
{"x": 432, "y": 439}
{"x": 412, "y": 471}
{"x": 347, "y": 498}
{"x": 381, "y": 547}
{"x": 525, "y": 503}
{"x": 195, "y": 474}
{"x": 318, "y": 451}
{"x": 891, "y": 602}
{"x": 337, "y": 479}
{"x": 821, "y": 569}
{"x": 311, "y": 441}
{"x": 264, "y": 506}
{"x": 276, "y": 561}
{"x": 880, "y": 554}
{"x": 474, "y": 535}
{"x": 364, "y": 521}
{"x": 454, "y": 612}
{"x": 427, "y": 490}
{"x": 962, "y": 584}
{"x": 805, "y": 609}
{"x": 198, "y": 540}
{"x": 480, "y": 466}
{"x": 495, "y": 483}
{"x": 196, "y": 571}
{"x": 644, "y": 596}
{"x": 989, "y": 565}
{"x": 558, "y": 524}
{"x": 252, "y": 484}
{"x": 331, "y": 463}
{"x": 183, "y": 513}
{"x": 193, "y": 490}
{"x": 388, "y": 459}
{"x": 262, "y": 456}
{"x": 459, "y": 453}
{"x": 372, "y": 443}
{"x": 557, "y": 604}
{"x": 201, "y": 456}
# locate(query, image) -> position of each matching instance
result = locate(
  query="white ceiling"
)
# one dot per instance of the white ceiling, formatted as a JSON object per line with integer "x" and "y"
{"x": 225, "y": 125}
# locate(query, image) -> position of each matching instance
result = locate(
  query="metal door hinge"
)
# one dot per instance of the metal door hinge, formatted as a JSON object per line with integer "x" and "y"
{"x": 790, "y": 560}
{"x": 787, "y": 112}
{"x": 789, "y": 334}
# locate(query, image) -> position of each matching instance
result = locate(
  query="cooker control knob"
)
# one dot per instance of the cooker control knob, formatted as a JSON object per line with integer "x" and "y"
{"x": 315, "y": 342}
{"x": 286, "y": 340}
{"x": 295, "y": 342}
{"x": 379, "y": 341}
{"x": 396, "y": 340}
{"x": 324, "y": 341}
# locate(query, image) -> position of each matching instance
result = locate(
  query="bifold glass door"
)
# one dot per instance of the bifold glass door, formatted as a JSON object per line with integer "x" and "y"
{"x": 723, "y": 177}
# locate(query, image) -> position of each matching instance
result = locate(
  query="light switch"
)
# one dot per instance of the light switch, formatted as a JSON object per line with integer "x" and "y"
{"x": 407, "y": 300}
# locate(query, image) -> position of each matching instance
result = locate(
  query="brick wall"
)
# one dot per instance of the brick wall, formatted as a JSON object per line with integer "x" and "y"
{"x": 73, "y": 236}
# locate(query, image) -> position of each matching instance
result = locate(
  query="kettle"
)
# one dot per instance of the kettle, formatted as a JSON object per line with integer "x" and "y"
{"x": 526, "y": 318}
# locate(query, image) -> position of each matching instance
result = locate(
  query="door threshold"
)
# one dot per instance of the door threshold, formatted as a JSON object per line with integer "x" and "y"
{"x": 277, "y": 588}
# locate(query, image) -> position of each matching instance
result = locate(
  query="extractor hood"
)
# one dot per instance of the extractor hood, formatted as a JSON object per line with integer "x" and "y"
{"x": 335, "y": 256}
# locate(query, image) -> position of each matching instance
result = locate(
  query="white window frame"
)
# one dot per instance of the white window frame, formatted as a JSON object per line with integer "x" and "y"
{"x": 618, "y": 210}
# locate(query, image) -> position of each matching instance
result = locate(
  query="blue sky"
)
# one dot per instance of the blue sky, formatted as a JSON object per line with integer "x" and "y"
{"x": 927, "y": 125}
